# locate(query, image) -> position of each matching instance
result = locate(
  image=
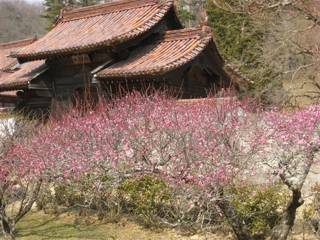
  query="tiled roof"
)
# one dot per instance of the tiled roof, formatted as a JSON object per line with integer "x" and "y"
{"x": 7, "y": 62}
{"x": 173, "y": 50}
{"x": 235, "y": 75}
{"x": 20, "y": 78}
{"x": 7, "y": 97}
{"x": 89, "y": 28}
{"x": 4, "y": 75}
{"x": 12, "y": 79}
{"x": 9, "y": 94}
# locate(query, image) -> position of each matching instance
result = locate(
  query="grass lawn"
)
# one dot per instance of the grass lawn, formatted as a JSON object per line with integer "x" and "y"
{"x": 37, "y": 225}
{"x": 40, "y": 226}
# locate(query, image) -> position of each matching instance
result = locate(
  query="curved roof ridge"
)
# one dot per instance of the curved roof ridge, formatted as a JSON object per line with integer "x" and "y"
{"x": 7, "y": 62}
{"x": 68, "y": 37}
{"x": 100, "y": 9}
{"x": 18, "y": 43}
{"x": 172, "y": 57}
{"x": 186, "y": 33}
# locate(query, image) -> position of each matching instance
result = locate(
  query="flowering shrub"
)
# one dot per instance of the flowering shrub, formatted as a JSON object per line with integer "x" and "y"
{"x": 197, "y": 147}
{"x": 199, "y": 143}
{"x": 259, "y": 206}
{"x": 291, "y": 145}
{"x": 18, "y": 189}
{"x": 146, "y": 197}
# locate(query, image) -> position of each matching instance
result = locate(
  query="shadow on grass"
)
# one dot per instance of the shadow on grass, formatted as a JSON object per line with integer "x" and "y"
{"x": 41, "y": 226}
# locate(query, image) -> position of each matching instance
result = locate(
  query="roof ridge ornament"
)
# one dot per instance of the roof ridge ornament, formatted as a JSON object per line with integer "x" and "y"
{"x": 205, "y": 31}
{"x": 203, "y": 16}
{"x": 59, "y": 17}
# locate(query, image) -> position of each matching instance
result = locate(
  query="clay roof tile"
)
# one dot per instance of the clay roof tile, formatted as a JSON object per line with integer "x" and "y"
{"x": 90, "y": 28}
{"x": 21, "y": 77}
{"x": 170, "y": 51}
{"x": 6, "y": 62}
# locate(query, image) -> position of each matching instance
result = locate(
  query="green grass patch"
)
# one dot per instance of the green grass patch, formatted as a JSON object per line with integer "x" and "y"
{"x": 41, "y": 226}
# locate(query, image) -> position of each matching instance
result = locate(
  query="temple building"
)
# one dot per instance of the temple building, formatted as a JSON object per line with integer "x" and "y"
{"x": 112, "y": 47}
{"x": 8, "y": 67}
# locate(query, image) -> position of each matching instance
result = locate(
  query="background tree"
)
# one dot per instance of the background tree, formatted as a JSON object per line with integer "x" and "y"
{"x": 273, "y": 44}
{"x": 19, "y": 20}
{"x": 53, "y": 7}
{"x": 191, "y": 12}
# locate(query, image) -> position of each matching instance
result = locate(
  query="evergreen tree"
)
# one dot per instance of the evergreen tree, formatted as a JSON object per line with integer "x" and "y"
{"x": 53, "y": 7}
{"x": 88, "y": 2}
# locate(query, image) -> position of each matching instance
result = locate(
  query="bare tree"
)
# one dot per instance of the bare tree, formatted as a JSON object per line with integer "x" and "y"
{"x": 18, "y": 189}
{"x": 19, "y": 20}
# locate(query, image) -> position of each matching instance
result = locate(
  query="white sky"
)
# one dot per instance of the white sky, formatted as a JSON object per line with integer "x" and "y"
{"x": 34, "y": 1}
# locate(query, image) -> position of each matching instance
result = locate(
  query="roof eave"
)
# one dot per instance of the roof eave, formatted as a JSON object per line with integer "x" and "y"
{"x": 13, "y": 86}
{"x": 134, "y": 33}
{"x": 185, "y": 60}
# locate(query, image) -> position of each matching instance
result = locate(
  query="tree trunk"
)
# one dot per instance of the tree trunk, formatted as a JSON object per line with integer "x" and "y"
{"x": 7, "y": 228}
{"x": 238, "y": 227}
{"x": 294, "y": 177}
{"x": 25, "y": 207}
{"x": 282, "y": 230}
{"x": 5, "y": 224}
